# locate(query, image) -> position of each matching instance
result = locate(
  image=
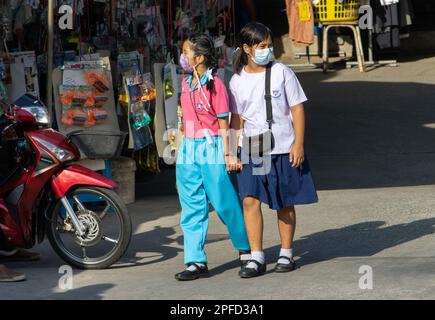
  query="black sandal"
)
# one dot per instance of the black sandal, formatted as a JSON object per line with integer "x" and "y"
{"x": 187, "y": 275}
{"x": 252, "y": 272}
{"x": 285, "y": 267}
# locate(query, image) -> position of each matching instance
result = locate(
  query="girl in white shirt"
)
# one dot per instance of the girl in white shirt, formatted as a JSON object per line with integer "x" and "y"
{"x": 282, "y": 179}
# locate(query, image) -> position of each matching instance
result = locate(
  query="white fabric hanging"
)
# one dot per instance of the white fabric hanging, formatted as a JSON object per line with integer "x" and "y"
{"x": 388, "y": 2}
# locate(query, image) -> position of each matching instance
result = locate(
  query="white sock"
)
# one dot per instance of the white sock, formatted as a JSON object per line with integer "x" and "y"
{"x": 257, "y": 256}
{"x": 245, "y": 257}
{"x": 193, "y": 267}
{"x": 285, "y": 253}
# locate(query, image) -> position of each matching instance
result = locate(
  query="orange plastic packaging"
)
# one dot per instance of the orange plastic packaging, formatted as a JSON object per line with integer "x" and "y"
{"x": 100, "y": 115}
{"x": 98, "y": 81}
{"x": 66, "y": 99}
{"x": 74, "y": 117}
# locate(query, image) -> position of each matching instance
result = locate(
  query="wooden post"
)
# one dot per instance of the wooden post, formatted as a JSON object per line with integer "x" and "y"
{"x": 49, "y": 98}
{"x": 114, "y": 8}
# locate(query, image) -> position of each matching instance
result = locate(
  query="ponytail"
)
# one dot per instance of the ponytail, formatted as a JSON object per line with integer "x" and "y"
{"x": 240, "y": 59}
{"x": 212, "y": 64}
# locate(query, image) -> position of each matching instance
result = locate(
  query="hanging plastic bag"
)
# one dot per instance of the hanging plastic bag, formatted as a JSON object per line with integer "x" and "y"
{"x": 140, "y": 118}
{"x": 304, "y": 11}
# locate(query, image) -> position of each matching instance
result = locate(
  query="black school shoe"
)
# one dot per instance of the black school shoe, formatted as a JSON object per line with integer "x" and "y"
{"x": 285, "y": 267}
{"x": 251, "y": 272}
{"x": 187, "y": 275}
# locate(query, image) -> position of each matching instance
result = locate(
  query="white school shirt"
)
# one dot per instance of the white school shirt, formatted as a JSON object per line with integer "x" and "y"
{"x": 247, "y": 91}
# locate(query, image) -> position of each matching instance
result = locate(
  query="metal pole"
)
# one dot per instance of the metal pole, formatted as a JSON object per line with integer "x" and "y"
{"x": 50, "y": 49}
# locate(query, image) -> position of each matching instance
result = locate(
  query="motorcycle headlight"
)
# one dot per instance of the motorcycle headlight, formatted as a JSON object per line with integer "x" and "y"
{"x": 40, "y": 114}
{"x": 61, "y": 154}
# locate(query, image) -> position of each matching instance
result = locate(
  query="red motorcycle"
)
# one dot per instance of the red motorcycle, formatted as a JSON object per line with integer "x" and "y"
{"x": 84, "y": 219}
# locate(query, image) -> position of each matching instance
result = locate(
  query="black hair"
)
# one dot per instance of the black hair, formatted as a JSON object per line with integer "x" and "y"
{"x": 252, "y": 34}
{"x": 204, "y": 45}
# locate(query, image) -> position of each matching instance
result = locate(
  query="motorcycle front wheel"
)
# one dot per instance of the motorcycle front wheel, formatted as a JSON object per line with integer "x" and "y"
{"x": 107, "y": 223}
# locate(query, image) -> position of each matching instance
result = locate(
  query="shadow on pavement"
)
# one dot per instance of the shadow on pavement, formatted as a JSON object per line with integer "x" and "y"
{"x": 358, "y": 240}
{"x": 157, "y": 246}
{"x": 94, "y": 292}
{"x": 369, "y": 134}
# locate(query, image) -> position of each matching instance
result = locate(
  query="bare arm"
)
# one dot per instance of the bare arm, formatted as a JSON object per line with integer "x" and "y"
{"x": 297, "y": 154}
{"x": 236, "y": 128}
{"x": 224, "y": 126}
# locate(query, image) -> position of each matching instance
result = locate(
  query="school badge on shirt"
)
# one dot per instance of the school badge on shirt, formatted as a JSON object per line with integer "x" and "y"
{"x": 276, "y": 93}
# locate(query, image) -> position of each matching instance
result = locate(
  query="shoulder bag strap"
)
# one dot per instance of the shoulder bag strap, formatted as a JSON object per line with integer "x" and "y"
{"x": 268, "y": 96}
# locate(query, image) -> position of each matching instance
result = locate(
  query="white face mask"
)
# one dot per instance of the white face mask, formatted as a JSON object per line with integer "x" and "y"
{"x": 263, "y": 56}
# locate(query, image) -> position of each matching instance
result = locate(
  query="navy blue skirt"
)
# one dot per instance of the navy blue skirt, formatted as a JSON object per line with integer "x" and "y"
{"x": 275, "y": 182}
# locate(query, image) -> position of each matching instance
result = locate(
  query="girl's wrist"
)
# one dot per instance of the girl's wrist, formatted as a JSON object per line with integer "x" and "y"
{"x": 299, "y": 143}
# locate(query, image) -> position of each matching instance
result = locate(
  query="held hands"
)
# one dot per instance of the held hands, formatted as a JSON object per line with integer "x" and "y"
{"x": 233, "y": 163}
{"x": 297, "y": 155}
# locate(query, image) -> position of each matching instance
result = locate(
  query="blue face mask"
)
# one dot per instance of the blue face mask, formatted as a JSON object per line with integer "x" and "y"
{"x": 263, "y": 56}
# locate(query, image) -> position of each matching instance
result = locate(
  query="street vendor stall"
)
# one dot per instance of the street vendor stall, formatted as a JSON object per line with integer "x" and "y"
{"x": 115, "y": 72}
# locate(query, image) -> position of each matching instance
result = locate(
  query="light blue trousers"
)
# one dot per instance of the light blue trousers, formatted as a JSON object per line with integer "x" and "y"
{"x": 202, "y": 177}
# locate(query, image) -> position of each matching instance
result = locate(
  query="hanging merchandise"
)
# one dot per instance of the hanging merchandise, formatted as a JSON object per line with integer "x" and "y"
{"x": 211, "y": 14}
{"x": 386, "y": 25}
{"x": 3, "y": 92}
{"x": 129, "y": 64}
{"x": 148, "y": 23}
{"x": 407, "y": 16}
{"x": 392, "y": 20}
{"x": 73, "y": 100}
{"x": 388, "y": 2}
{"x": 23, "y": 75}
{"x": 4, "y": 29}
{"x": 183, "y": 23}
{"x": 149, "y": 91}
{"x": 224, "y": 20}
{"x": 2, "y": 70}
{"x": 97, "y": 80}
{"x": 5, "y": 75}
{"x": 138, "y": 110}
{"x": 304, "y": 11}
{"x": 172, "y": 79}
{"x": 82, "y": 105}
{"x": 148, "y": 159}
{"x": 301, "y": 22}
{"x": 138, "y": 114}
{"x": 84, "y": 96}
